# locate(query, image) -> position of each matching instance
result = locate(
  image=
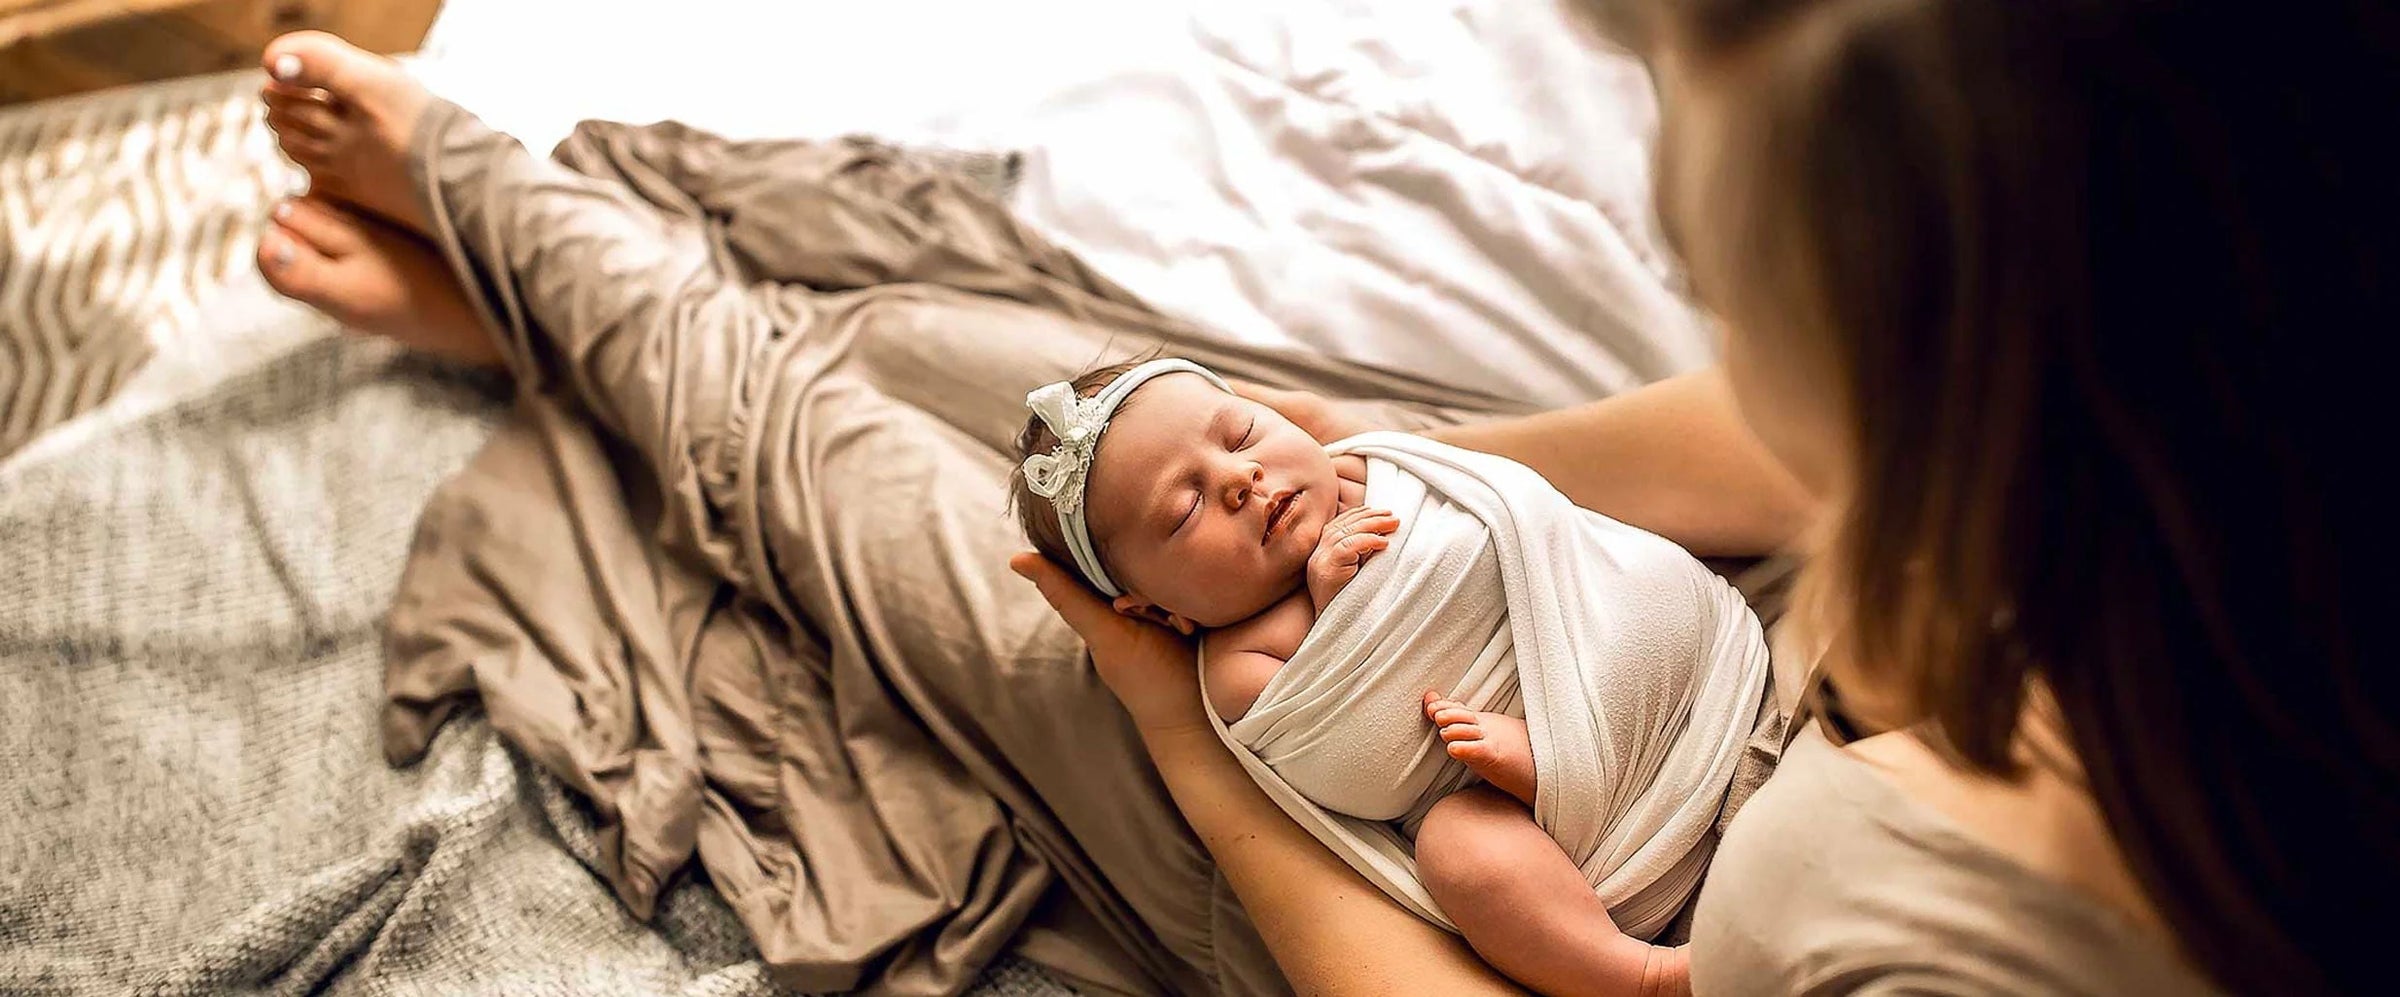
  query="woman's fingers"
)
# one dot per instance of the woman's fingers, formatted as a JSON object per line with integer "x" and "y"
{"x": 1147, "y": 666}
{"x": 1312, "y": 412}
{"x": 1080, "y": 607}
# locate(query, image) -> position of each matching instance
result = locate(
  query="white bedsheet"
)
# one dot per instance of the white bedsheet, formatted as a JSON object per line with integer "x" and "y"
{"x": 1457, "y": 189}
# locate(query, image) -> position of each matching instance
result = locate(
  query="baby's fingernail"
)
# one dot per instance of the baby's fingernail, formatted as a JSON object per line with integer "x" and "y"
{"x": 287, "y": 67}
{"x": 283, "y": 209}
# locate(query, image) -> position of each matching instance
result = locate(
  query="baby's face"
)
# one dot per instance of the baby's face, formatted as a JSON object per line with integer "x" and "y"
{"x": 1204, "y": 504}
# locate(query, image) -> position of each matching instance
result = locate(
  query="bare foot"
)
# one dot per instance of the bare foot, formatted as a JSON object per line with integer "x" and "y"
{"x": 371, "y": 277}
{"x": 345, "y": 115}
{"x": 1494, "y": 746}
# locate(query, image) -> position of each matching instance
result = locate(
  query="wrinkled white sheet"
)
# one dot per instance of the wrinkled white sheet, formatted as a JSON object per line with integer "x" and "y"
{"x": 1453, "y": 189}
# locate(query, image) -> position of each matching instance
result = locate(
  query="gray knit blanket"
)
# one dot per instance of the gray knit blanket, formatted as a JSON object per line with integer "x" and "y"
{"x": 193, "y": 797}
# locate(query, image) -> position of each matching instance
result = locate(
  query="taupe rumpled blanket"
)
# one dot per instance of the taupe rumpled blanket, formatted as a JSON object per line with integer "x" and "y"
{"x": 735, "y": 567}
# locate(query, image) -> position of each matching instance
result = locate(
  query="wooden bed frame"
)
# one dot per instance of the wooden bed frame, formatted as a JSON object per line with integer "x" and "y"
{"x": 52, "y": 48}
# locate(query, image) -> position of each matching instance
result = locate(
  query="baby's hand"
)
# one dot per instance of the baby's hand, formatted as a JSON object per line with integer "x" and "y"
{"x": 1347, "y": 542}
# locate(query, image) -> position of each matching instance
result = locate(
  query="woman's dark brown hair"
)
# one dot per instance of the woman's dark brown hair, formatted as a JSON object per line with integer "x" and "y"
{"x": 2106, "y": 285}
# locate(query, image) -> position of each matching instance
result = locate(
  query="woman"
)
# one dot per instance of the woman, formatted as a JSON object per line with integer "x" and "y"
{"x": 2027, "y": 298}
{"x": 2104, "y": 588}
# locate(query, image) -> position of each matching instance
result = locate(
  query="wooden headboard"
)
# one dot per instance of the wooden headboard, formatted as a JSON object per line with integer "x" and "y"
{"x": 52, "y": 48}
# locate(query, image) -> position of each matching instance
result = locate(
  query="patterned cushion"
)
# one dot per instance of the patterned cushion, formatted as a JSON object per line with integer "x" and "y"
{"x": 120, "y": 212}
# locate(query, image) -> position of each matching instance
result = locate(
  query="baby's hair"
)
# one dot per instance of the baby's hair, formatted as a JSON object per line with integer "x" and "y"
{"x": 1035, "y": 513}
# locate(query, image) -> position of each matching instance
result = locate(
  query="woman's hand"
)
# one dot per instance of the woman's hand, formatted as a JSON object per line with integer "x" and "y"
{"x": 1312, "y": 412}
{"x": 1149, "y": 667}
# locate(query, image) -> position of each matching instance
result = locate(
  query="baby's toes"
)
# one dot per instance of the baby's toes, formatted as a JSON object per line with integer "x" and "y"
{"x": 1474, "y": 754}
{"x": 1455, "y": 731}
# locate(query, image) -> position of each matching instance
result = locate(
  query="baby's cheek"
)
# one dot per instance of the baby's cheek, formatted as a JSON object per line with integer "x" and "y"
{"x": 1229, "y": 564}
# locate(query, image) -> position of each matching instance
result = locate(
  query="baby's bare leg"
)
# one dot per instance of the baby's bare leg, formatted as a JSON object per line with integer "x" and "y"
{"x": 1525, "y": 907}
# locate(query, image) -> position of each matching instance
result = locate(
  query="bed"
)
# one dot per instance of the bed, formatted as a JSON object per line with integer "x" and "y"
{"x": 209, "y": 494}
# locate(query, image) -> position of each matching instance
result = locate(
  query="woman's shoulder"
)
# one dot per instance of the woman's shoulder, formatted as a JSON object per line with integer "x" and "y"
{"x": 1832, "y": 879}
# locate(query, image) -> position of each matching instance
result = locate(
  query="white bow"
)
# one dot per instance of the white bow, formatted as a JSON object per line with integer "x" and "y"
{"x": 1059, "y": 475}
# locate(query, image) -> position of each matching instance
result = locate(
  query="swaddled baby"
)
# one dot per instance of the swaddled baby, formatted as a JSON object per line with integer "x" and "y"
{"x": 1404, "y": 639}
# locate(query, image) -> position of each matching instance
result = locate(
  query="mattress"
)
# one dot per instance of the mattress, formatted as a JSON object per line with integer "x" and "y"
{"x": 1457, "y": 190}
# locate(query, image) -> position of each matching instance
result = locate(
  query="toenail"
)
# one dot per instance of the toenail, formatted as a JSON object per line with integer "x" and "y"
{"x": 287, "y": 67}
{"x": 283, "y": 209}
{"x": 281, "y": 256}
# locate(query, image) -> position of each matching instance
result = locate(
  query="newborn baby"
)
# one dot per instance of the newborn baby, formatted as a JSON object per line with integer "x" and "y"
{"x": 1400, "y": 710}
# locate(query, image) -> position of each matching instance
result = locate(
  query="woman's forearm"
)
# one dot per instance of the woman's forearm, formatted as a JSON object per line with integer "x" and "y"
{"x": 1331, "y": 931}
{"x": 1673, "y": 458}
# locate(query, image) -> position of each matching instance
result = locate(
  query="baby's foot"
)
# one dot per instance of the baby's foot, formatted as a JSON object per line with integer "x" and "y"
{"x": 1494, "y": 746}
{"x": 372, "y": 278}
{"x": 345, "y": 115}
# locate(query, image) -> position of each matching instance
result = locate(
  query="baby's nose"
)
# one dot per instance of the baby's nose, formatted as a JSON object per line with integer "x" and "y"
{"x": 1243, "y": 487}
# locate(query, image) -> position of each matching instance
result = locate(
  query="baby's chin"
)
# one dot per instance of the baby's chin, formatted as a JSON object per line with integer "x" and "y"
{"x": 1262, "y": 597}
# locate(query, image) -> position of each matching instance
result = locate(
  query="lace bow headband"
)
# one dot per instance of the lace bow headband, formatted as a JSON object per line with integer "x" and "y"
{"x": 1060, "y": 475}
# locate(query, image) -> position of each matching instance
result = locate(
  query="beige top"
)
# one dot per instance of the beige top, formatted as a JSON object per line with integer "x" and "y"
{"x": 1833, "y": 881}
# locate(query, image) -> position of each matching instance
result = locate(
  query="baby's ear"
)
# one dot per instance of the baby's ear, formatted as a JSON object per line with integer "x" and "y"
{"x": 1143, "y": 609}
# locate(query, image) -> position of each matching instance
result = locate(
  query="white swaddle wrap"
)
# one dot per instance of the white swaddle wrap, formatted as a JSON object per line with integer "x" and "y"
{"x": 1638, "y": 671}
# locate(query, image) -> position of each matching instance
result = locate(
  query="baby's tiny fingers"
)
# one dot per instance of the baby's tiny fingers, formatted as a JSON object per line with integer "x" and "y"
{"x": 1461, "y": 732}
{"x": 1452, "y": 713}
{"x": 1358, "y": 515}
